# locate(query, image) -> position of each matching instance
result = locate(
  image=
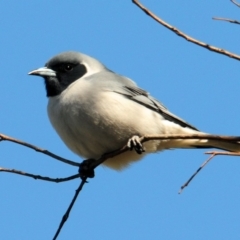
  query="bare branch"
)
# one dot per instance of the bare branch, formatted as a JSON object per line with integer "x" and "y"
{"x": 145, "y": 139}
{"x": 226, "y": 20}
{"x": 84, "y": 180}
{"x": 198, "y": 170}
{"x": 185, "y": 36}
{"x": 234, "y": 2}
{"x": 165, "y": 137}
{"x": 213, "y": 154}
{"x": 56, "y": 180}
{"x": 46, "y": 152}
{"x": 66, "y": 215}
{"x": 106, "y": 156}
{"x": 125, "y": 148}
{"x": 224, "y": 153}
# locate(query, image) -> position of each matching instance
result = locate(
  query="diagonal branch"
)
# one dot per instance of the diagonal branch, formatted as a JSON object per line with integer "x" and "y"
{"x": 185, "y": 36}
{"x": 234, "y": 2}
{"x": 112, "y": 154}
{"x": 66, "y": 215}
{"x": 213, "y": 154}
{"x": 224, "y": 153}
{"x": 84, "y": 180}
{"x": 56, "y": 180}
{"x": 142, "y": 140}
{"x": 165, "y": 137}
{"x": 46, "y": 152}
{"x": 226, "y": 20}
{"x": 125, "y": 148}
{"x": 194, "y": 175}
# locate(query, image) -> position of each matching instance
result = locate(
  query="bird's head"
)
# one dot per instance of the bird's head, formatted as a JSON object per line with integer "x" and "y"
{"x": 64, "y": 69}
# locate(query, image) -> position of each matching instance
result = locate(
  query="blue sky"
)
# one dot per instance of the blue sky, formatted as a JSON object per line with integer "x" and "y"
{"x": 141, "y": 202}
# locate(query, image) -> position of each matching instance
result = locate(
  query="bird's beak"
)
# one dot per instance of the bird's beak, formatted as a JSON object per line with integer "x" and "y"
{"x": 43, "y": 72}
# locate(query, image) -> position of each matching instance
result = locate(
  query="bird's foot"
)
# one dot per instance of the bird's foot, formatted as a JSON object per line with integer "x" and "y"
{"x": 135, "y": 143}
{"x": 86, "y": 170}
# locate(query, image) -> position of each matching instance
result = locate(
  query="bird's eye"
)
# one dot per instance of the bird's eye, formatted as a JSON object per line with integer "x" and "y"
{"x": 68, "y": 67}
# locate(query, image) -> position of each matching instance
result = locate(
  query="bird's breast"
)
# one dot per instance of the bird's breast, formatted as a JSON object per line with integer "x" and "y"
{"x": 87, "y": 122}
{"x": 92, "y": 123}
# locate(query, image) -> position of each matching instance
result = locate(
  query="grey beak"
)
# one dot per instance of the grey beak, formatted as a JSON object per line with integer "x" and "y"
{"x": 43, "y": 72}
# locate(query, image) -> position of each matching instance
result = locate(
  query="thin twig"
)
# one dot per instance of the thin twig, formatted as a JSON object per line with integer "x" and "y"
{"x": 165, "y": 137}
{"x": 185, "y": 36}
{"x": 66, "y": 215}
{"x": 112, "y": 154}
{"x": 237, "y": 4}
{"x": 84, "y": 180}
{"x": 125, "y": 148}
{"x": 56, "y": 180}
{"x": 226, "y": 20}
{"x": 213, "y": 154}
{"x": 198, "y": 170}
{"x": 46, "y": 152}
{"x": 144, "y": 139}
{"x": 224, "y": 153}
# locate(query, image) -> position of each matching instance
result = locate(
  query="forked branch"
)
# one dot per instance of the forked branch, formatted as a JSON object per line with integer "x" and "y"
{"x": 183, "y": 35}
{"x": 110, "y": 155}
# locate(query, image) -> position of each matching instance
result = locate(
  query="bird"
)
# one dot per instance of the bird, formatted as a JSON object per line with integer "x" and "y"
{"x": 95, "y": 111}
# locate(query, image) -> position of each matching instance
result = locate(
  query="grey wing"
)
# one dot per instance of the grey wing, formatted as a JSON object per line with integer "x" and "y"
{"x": 142, "y": 97}
{"x": 110, "y": 81}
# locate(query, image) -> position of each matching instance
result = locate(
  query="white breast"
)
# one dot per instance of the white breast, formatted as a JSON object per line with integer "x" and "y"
{"x": 93, "y": 122}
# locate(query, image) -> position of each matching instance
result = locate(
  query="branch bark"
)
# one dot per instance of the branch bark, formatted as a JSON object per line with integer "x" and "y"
{"x": 194, "y": 175}
{"x": 4, "y": 137}
{"x": 104, "y": 157}
{"x": 185, "y": 36}
{"x": 66, "y": 215}
{"x": 234, "y": 2}
{"x": 226, "y": 20}
{"x": 34, "y": 176}
{"x": 213, "y": 154}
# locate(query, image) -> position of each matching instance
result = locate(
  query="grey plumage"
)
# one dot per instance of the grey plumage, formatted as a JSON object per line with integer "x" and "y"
{"x": 95, "y": 111}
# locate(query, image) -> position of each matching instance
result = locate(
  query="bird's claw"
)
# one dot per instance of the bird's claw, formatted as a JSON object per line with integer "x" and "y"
{"x": 86, "y": 170}
{"x": 135, "y": 143}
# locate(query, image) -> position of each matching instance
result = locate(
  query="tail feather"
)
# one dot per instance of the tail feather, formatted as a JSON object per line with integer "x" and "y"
{"x": 223, "y": 145}
{"x": 201, "y": 143}
{"x": 172, "y": 128}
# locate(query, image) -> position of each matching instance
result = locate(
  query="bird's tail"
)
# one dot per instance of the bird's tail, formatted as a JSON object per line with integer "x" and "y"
{"x": 226, "y": 145}
{"x": 223, "y": 145}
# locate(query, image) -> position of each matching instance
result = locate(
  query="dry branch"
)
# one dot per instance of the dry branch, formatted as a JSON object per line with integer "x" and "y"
{"x": 185, "y": 36}
{"x": 213, "y": 154}
{"x": 34, "y": 176}
{"x": 224, "y": 153}
{"x": 142, "y": 140}
{"x": 124, "y": 148}
{"x": 194, "y": 175}
{"x": 106, "y": 156}
{"x": 66, "y": 215}
{"x": 234, "y": 2}
{"x": 226, "y": 20}
{"x": 37, "y": 149}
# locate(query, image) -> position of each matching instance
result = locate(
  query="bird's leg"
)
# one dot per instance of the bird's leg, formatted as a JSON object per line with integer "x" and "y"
{"x": 135, "y": 143}
{"x": 86, "y": 170}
